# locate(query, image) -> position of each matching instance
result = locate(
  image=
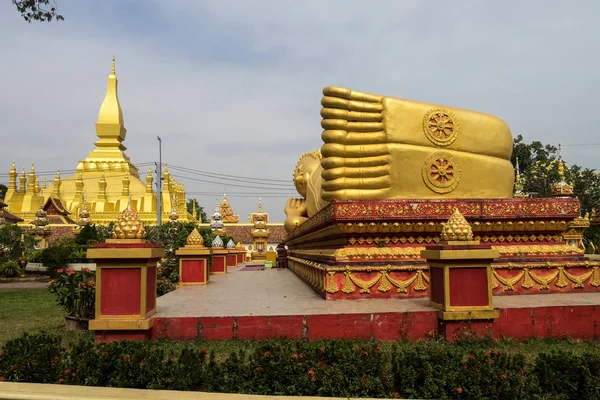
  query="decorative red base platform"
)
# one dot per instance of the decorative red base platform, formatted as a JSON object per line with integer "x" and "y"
{"x": 275, "y": 303}
{"x": 371, "y": 249}
{"x": 576, "y": 322}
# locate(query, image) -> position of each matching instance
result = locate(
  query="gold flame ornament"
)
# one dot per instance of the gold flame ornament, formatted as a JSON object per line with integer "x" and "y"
{"x": 457, "y": 228}
{"x": 195, "y": 239}
{"x": 240, "y": 246}
{"x": 128, "y": 226}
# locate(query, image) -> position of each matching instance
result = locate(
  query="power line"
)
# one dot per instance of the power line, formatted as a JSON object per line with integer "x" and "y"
{"x": 229, "y": 184}
{"x": 226, "y": 176}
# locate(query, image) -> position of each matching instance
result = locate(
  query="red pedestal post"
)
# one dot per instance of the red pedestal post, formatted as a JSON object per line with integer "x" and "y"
{"x": 219, "y": 260}
{"x": 461, "y": 286}
{"x": 193, "y": 265}
{"x": 125, "y": 288}
{"x": 241, "y": 256}
{"x": 231, "y": 258}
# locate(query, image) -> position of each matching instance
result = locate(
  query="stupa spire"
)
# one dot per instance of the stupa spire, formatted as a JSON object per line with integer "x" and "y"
{"x": 23, "y": 180}
{"x": 56, "y": 185}
{"x": 12, "y": 177}
{"x": 110, "y": 110}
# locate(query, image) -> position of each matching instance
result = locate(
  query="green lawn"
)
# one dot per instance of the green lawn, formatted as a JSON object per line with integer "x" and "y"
{"x": 26, "y": 310}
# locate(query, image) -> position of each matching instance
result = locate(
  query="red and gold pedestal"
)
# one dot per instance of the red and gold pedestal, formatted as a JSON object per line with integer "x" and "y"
{"x": 219, "y": 260}
{"x": 193, "y": 260}
{"x": 460, "y": 279}
{"x": 193, "y": 265}
{"x": 241, "y": 256}
{"x": 125, "y": 288}
{"x": 231, "y": 258}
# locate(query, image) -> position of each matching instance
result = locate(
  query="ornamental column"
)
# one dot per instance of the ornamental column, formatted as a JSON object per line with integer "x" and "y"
{"x": 219, "y": 257}
{"x": 241, "y": 253}
{"x": 231, "y": 257}
{"x": 193, "y": 260}
{"x": 461, "y": 279}
{"x": 125, "y": 282}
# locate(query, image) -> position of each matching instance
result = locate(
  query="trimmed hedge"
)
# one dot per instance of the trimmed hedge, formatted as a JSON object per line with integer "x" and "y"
{"x": 428, "y": 369}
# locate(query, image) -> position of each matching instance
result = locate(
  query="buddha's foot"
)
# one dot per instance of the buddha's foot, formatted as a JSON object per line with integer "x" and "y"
{"x": 378, "y": 147}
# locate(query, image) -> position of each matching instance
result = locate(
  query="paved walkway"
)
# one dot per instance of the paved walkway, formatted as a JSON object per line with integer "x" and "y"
{"x": 281, "y": 292}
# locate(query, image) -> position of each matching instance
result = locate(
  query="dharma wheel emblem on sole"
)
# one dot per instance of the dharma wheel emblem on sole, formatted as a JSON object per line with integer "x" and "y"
{"x": 441, "y": 172}
{"x": 440, "y": 127}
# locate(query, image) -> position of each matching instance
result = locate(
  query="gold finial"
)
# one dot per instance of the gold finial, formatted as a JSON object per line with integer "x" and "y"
{"x": 195, "y": 239}
{"x": 260, "y": 203}
{"x": 128, "y": 226}
{"x": 44, "y": 183}
{"x": 457, "y": 228}
{"x": 13, "y": 169}
{"x": 112, "y": 71}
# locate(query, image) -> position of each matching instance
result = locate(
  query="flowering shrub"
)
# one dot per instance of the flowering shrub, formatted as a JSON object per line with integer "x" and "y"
{"x": 166, "y": 280}
{"x": 75, "y": 291}
{"x": 427, "y": 369}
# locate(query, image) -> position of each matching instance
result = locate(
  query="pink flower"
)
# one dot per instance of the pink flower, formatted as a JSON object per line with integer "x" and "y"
{"x": 91, "y": 283}
{"x": 86, "y": 269}
{"x": 70, "y": 271}
{"x": 50, "y": 283}
{"x": 60, "y": 270}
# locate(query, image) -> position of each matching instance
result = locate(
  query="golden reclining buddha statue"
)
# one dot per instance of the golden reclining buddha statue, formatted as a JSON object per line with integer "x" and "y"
{"x": 380, "y": 147}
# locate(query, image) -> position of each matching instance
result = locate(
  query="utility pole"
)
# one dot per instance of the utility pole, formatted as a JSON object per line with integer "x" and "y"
{"x": 159, "y": 184}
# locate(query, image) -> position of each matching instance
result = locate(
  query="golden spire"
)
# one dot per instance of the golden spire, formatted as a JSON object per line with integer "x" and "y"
{"x": 562, "y": 188}
{"x": 23, "y": 180}
{"x": 194, "y": 215}
{"x": 126, "y": 183}
{"x": 44, "y": 184}
{"x": 457, "y": 228}
{"x": 12, "y": 177}
{"x": 260, "y": 204}
{"x": 102, "y": 188}
{"x": 110, "y": 110}
{"x": 149, "y": 181}
{"x": 128, "y": 226}
{"x": 195, "y": 239}
{"x": 31, "y": 180}
{"x": 56, "y": 185}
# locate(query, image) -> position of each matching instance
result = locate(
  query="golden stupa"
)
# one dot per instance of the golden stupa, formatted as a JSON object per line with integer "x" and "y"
{"x": 107, "y": 177}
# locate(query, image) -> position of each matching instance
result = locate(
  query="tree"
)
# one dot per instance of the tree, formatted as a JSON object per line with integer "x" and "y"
{"x": 3, "y": 189}
{"x": 201, "y": 215}
{"x": 37, "y": 10}
{"x": 539, "y": 169}
{"x": 529, "y": 154}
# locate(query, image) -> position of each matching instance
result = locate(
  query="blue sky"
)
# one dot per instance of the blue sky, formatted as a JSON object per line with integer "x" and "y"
{"x": 234, "y": 86}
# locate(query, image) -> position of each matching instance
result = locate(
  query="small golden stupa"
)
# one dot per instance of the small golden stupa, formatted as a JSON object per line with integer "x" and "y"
{"x": 457, "y": 228}
{"x": 128, "y": 226}
{"x": 194, "y": 239}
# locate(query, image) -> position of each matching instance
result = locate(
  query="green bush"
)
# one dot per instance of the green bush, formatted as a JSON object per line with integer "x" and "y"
{"x": 428, "y": 369}
{"x": 10, "y": 269}
{"x": 56, "y": 257}
{"x": 32, "y": 358}
{"x": 34, "y": 255}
